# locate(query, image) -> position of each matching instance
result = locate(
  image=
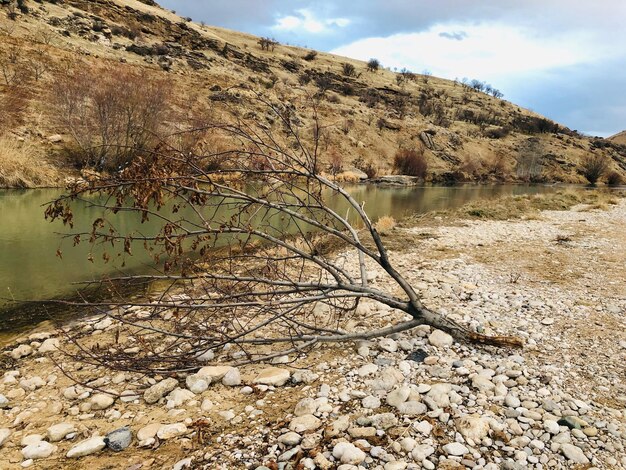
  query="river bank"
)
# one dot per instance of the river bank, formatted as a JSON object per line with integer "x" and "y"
{"x": 417, "y": 400}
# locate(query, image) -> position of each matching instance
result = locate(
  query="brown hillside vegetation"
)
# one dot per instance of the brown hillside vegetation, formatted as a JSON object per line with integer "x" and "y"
{"x": 619, "y": 138}
{"x": 125, "y": 52}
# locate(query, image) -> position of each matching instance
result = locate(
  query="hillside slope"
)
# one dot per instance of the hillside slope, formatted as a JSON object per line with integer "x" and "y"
{"x": 619, "y": 138}
{"x": 367, "y": 115}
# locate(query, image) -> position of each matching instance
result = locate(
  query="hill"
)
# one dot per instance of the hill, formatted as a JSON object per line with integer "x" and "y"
{"x": 465, "y": 131}
{"x": 619, "y": 138}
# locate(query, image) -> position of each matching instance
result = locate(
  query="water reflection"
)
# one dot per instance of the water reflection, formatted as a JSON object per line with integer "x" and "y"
{"x": 30, "y": 269}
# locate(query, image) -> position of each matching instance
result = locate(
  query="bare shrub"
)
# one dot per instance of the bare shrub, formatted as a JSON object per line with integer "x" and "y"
{"x": 614, "y": 179}
{"x": 411, "y": 162}
{"x": 530, "y": 161}
{"x": 267, "y": 44}
{"x": 593, "y": 167}
{"x": 336, "y": 162}
{"x": 348, "y": 70}
{"x": 14, "y": 101}
{"x": 112, "y": 114}
{"x": 385, "y": 225}
{"x": 373, "y": 65}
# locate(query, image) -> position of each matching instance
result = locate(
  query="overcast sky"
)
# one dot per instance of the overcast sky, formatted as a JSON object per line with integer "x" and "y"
{"x": 565, "y": 59}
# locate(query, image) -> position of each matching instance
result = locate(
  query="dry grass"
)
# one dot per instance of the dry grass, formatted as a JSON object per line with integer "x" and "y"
{"x": 347, "y": 177}
{"x": 385, "y": 225}
{"x": 22, "y": 166}
{"x": 529, "y": 205}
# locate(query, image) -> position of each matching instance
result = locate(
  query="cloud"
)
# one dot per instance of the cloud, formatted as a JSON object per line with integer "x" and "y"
{"x": 306, "y": 21}
{"x": 488, "y": 51}
{"x": 457, "y": 35}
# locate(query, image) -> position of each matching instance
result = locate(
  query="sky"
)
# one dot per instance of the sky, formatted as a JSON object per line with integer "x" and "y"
{"x": 565, "y": 59}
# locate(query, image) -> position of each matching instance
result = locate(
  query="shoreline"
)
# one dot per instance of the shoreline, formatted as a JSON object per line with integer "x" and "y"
{"x": 461, "y": 400}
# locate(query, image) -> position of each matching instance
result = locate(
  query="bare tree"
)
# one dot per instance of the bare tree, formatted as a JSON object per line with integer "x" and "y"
{"x": 254, "y": 257}
{"x": 267, "y": 44}
{"x": 373, "y": 65}
{"x": 111, "y": 113}
{"x": 593, "y": 167}
{"x": 530, "y": 160}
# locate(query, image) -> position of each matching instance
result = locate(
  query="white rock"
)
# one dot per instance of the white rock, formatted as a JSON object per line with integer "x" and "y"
{"x": 184, "y": 463}
{"x": 214, "y": 373}
{"x": 5, "y": 433}
{"x": 148, "y": 431}
{"x": 197, "y": 384}
{"x": 397, "y": 465}
{"x": 31, "y": 439}
{"x": 412, "y": 408}
{"x": 573, "y": 453}
{"x": 169, "y": 431}
{"x": 306, "y": 406}
{"x": 371, "y": 402}
{"x": 348, "y": 453}
{"x": 103, "y": 324}
{"x": 388, "y": 344}
{"x": 273, "y": 376}
{"x": 473, "y": 428}
{"x": 408, "y": 444}
{"x": 232, "y": 378}
{"x": 367, "y": 369}
{"x": 512, "y": 401}
{"x": 455, "y": 448}
{"x": 551, "y": 426}
{"x": 398, "y": 396}
{"x": 21, "y": 351}
{"x": 207, "y": 405}
{"x": 304, "y": 423}
{"x": 439, "y": 394}
{"x": 483, "y": 383}
{"x": 421, "y": 452}
{"x": 49, "y": 345}
{"x": 32, "y": 384}
{"x": 178, "y": 396}
{"x": 290, "y": 439}
{"x": 101, "y": 401}
{"x": 58, "y": 432}
{"x": 159, "y": 390}
{"x": 38, "y": 450}
{"x": 440, "y": 339}
{"x": 206, "y": 356}
{"x": 87, "y": 447}
{"x": 423, "y": 427}
{"x": 4, "y": 402}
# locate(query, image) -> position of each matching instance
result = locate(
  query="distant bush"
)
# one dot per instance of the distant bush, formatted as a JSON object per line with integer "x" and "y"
{"x": 267, "y": 44}
{"x": 593, "y": 167}
{"x": 373, "y": 65}
{"x": 366, "y": 167}
{"x": 614, "y": 179}
{"x": 311, "y": 55}
{"x": 411, "y": 162}
{"x": 348, "y": 70}
{"x": 113, "y": 114}
{"x": 496, "y": 132}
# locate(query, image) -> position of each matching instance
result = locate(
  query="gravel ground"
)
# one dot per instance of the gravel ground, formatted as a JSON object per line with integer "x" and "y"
{"x": 415, "y": 400}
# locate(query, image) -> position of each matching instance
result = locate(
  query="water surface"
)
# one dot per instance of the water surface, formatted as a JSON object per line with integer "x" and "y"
{"x": 30, "y": 268}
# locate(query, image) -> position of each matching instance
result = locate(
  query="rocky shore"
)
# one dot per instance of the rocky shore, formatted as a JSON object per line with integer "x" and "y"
{"x": 415, "y": 400}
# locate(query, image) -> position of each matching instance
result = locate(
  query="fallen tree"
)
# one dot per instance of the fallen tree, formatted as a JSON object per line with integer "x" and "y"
{"x": 253, "y": 255}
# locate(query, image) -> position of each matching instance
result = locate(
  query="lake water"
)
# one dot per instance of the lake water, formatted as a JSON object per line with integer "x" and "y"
{"x": 31, "y": 270}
